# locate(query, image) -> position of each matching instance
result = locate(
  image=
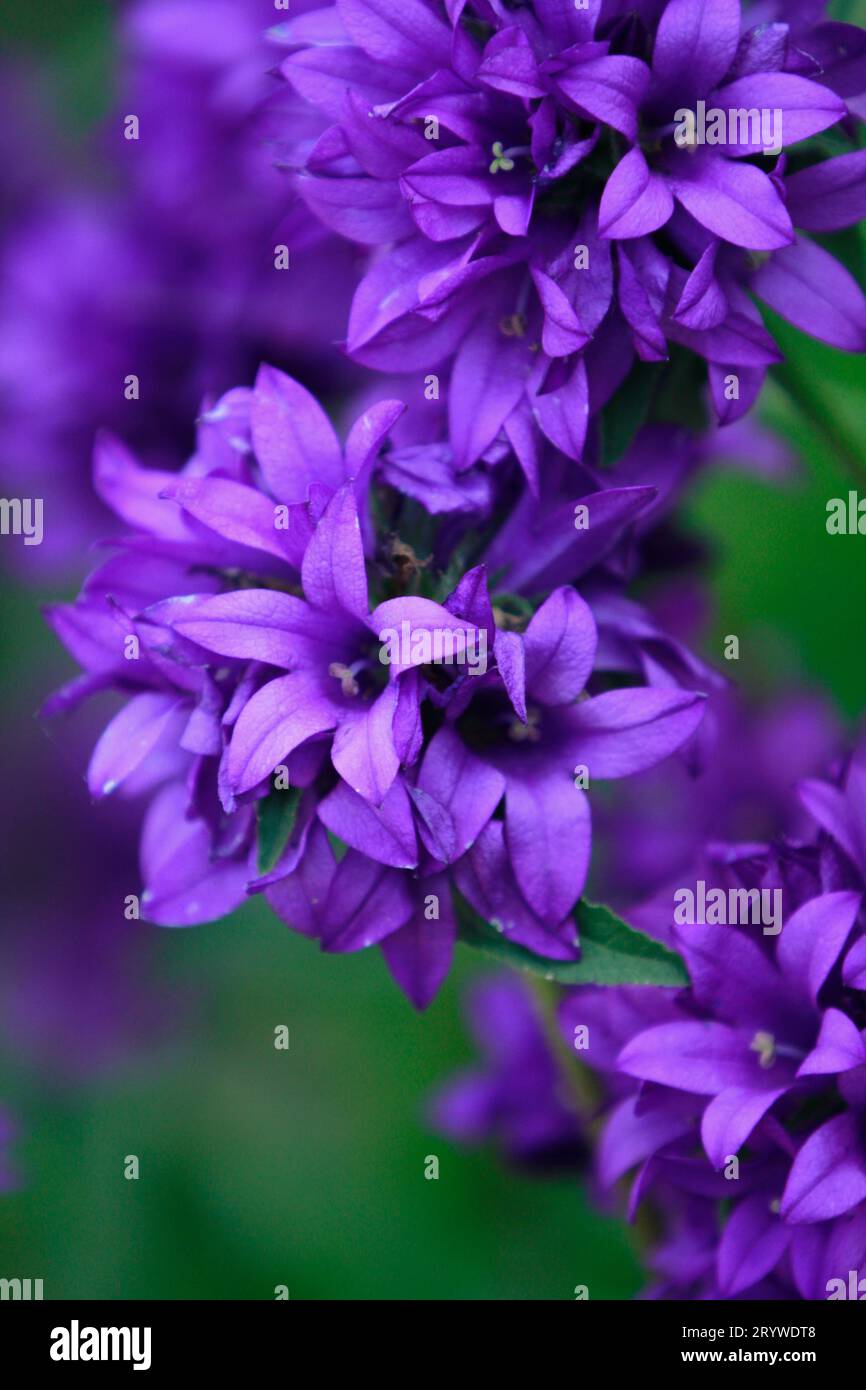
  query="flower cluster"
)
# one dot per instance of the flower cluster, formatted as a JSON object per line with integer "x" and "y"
{"x": 539, "y": 176}
{"x": 372, "y": 659}
{"x": 750, "y": 1086}
{"x": 738, "y": 1104}
{"x": 316, "y": 653}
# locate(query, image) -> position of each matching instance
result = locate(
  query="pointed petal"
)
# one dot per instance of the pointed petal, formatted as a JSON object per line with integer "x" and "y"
{"x": 363, "y": 750}
{"x": 243, "y": 515}
{"x": 632, "y": 1135}
{"x": 486, "y": 384}
{"x": 828, "y": 1176}
{"x": 510, "y": 657}
{"x": 753, "y": 1241}
{"x": 809, "y": 288}
{"x": 419, "y": 954}
{"x": 704, "y": 1058}
{"x": 829, "y": 195}
{"x": 560, "y": 644}
{"x": 696, "y": 42}
{"x": 261, "y": 625}
{"x": 366, "y": 902}
{"x": 730, "y": 1118}
{"x": 332, "y": 571}
{"x": 467, "y": 787}
{"x": 544, "y": 813}
{"x": 368, "y": 435}
{"x": 627, "y": 731}
{"x": 131, "y": 736}
{"x": 279, "y": 717}
{"x": 293, "y": 438}
{"x": 812, "y": 938}
{"x": 840, "y": 1047}
{"x": 385, "y": 833}
{"x": 184, "y": 884}
{"x": 805, "y": 107}
{"x": 300, "y": 897}
{"x": 738, "y": 203}
{"x": 635, "y": 201}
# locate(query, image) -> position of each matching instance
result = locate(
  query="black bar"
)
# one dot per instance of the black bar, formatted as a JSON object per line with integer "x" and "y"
{"x": 273, "y": 1336}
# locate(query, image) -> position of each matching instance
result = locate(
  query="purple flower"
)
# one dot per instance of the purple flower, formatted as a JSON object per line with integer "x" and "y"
{"x": 737, "y": 1105}
{"x": 283, "y": 618}
{"x": 547, "y": 744}
{"x": 151, "y": 277}
{"x": 78, "y": 997}
{"x": 749, "y": 1088}
{"x": 548, "y": 213}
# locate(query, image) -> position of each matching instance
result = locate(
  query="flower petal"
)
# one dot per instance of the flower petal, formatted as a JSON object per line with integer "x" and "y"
{"x": 809, "y": 288}
{"x": 547, "y": 828}
{"x": 419, "y": 954}
{"x": 828, "y": 1176}
{"x": 332, "y": 571}
{"x": 293, "y": 438}
{"x": 812, "y": 938}
{"x": 635, "y": 201}
{"x": 279, "y": 717}
{"x": 627, "y": 731}
{"x": 560, "y": 644}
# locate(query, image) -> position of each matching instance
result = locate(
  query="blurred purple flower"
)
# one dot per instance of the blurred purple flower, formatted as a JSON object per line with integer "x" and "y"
{"x": 79, "y": 996}
{"x": 156, "y": 259}
{"x": 516, "y": 1097}
{"x": 738, "y": 1104}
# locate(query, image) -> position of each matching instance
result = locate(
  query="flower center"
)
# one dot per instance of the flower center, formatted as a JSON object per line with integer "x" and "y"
{"x": 512, "y": 325}
{"x": 530, "y": 732}
{"x": 765, "y": 1046}
{"x": 501, "y": 159}
{"x": 346, "y": 676}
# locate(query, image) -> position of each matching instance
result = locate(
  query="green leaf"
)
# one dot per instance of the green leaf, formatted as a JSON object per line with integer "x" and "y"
{"x": 611, "y": 952}
{"x": 276, "y": 814}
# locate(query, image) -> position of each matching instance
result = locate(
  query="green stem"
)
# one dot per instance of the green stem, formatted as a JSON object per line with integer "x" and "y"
{"x": 583, "y": 1090}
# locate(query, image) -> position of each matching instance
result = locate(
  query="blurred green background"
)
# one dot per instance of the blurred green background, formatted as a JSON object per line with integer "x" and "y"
{"x": 306, "y": 1167}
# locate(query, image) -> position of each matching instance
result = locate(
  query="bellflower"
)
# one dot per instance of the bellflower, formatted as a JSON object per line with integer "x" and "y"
{"x": 164, "y": 268}
{"x": 737, "y": 1104}
{"x": 750, "y": 1085}
{"x": 536, "y": 211}
{"x": 275, "y": 612}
